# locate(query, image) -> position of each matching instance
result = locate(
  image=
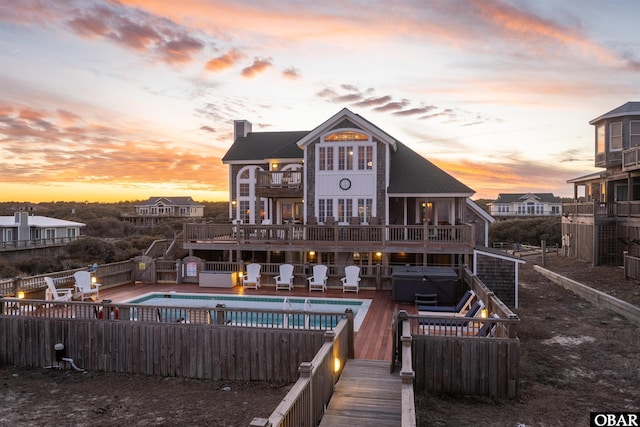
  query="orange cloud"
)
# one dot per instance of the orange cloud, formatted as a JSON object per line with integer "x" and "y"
{"x": 224, "y": 62}
{"x": 62, "y": 150}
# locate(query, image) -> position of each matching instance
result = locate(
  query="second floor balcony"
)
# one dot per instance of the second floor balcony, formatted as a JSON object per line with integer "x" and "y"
{"x": 386, "y": 238}
{"x": 620, "y": 209}
{"x": 279, "y": 183}
{"x": 631, "y": 159}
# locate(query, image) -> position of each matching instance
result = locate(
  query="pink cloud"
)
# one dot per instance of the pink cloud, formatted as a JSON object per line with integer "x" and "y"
{"x": 291, "y": 73}
{"x": 259, "y": 66}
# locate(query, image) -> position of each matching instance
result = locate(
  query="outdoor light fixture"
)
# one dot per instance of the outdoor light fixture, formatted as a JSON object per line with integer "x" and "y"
{"x": 233, "y": 202}
{"x": 274, "y": 166}
{"x": 337, "y": 364}
{"x": 312, "y": 253}
{"x": 378, "y": 254}
{"x": 21, "y": 295}
{"x": 484, "y": 313}
{"x": 93, "y": 280}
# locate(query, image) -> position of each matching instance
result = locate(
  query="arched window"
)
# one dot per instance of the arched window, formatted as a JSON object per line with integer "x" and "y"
{"x": 346, "y": 136}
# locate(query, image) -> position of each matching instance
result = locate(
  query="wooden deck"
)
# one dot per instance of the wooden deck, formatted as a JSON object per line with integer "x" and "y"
{"x": 372, "y": 341}
{"x": 366, "y": 395}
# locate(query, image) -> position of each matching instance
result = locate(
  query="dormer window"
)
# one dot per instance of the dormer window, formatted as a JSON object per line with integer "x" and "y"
{"x": 615, "y": 136}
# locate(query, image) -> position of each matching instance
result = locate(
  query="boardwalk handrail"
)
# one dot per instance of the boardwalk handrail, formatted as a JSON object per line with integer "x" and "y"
{"x": 304, "y": 404}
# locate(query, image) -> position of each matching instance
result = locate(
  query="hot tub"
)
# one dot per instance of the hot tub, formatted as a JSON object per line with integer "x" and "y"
{"x": 409, "y": 281}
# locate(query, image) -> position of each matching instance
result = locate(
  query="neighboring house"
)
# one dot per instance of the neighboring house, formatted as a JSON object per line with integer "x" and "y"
{"x": 602, "y": 226}
{"x": 343, "y": 193}
{"x": 527, "y": 205}
{"x": 157, "y": 209}
{"x": 23, "y": 231}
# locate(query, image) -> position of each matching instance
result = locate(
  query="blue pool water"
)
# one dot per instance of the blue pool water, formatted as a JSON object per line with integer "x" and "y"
{"x": 310, "y": 305}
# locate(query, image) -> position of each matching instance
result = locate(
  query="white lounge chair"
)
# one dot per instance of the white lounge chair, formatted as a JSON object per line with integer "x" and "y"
{"x": 351, "y": 281}
{"x": 319, "y": 279}
{"x": 251, "y": 279}
{"x": 84, "y": 287}
{"x": 54, "y": 294}
{"x": 285, "y": 279}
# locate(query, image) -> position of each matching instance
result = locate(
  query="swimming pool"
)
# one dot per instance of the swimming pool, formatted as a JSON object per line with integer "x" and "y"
{"x": 310, "y": 305}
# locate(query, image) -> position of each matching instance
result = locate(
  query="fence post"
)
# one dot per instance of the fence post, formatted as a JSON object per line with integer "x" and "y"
{"x": 543, "y": 247}
{"x": 305, "y": 370}
{"x": 350, "y": 351}
{"x": 220, "y": 316}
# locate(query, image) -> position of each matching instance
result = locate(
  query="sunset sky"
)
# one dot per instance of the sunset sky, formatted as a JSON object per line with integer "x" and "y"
{"x": 108, "y": 101}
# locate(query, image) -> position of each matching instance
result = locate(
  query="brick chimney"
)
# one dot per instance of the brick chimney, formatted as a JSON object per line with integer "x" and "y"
{"x": 241, "y": 128}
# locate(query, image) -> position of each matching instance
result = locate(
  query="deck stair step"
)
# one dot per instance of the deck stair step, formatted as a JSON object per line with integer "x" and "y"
{"x": 366, "y": 395}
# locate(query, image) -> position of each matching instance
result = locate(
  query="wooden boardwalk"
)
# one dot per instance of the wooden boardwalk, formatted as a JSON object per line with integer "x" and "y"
{"x": 366, "y": 395}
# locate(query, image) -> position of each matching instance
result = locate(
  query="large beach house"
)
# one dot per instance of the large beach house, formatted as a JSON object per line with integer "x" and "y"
{"x": 602, "y": 225}
{"x": 343, "y": 193}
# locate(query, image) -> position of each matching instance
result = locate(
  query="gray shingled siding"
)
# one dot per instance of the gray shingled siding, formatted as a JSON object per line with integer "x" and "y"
{"x": 499, "y": 276}
{"x": 310, "y": 160}
{"x": 381, "y": 188}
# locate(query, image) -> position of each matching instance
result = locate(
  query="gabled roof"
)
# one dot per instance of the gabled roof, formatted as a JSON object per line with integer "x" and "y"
{"x": 628, "y": 109}
{"x": 480, "y": 212}
{"x": 356, "y": 119}
{"x": 519, "y": 197}
{"x": 39, "y": 222}
{"x": 413, "y": 174}
{"x": 264, "y": 146}
{"x": 170, "y": 201}
{"x": 410, "y": 173}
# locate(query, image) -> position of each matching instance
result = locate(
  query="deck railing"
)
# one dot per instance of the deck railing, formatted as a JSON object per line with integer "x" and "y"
{"x": 631, "y": 267}
{"x": 108, "y": 275}
{"x": 631, "y": 159}
{"x": 279, "y": 179}
{"x": 17, "y": 245}
{"x": 618, "y": 209}
{"x": 355, "y": 235}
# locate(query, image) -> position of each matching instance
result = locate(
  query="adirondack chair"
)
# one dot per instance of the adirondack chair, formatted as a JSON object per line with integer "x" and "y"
{"x": 251, "y": 279}
{"x": 285, "y": 279}
{"x": 351, "y": 281}
{"x": 84, "y": 287}
{"x": 319, "y": 279}
{"x": 54, "y": 294}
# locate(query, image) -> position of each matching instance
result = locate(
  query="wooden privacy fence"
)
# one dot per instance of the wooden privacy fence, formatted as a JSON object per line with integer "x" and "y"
{"x": 467, "y": 365}
{"x": 148, "y": 341}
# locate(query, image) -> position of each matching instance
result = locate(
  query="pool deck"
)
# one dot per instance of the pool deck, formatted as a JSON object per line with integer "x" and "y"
{"x": 372, "y": 341}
